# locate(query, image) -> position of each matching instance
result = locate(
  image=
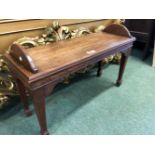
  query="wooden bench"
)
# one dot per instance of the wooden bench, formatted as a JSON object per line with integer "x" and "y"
{"x": 38, "y": 70}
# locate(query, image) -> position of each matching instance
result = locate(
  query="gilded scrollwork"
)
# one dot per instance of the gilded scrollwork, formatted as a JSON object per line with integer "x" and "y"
{"x": 7, "y": 84}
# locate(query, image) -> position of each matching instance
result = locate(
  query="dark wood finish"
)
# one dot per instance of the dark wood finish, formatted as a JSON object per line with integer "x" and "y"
{"x": 39, "y": 104}
{"x": 143, "y": 30}
{"x": 24, "y": 99}
{"x": 99, "y": 69}
{"x": 58, "y": 60}
{"x": 123, "y": 62}
{"x": 19, "y": 54}
{"x": 118, "y": 30}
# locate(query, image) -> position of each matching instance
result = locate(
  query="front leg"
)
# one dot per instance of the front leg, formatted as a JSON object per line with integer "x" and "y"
{"x": 39, "y": 104}
{"x": 123, "y": 62}
{"x": 99, "y": 69}
{"x": 23, "y": 96}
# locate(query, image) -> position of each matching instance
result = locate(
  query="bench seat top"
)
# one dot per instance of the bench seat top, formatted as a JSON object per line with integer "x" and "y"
{"x": 59, "y": 55}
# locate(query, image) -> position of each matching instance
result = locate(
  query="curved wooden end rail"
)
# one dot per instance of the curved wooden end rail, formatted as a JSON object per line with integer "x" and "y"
{"x": 19, "y": 54}
{"x": 118, "y": 30}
